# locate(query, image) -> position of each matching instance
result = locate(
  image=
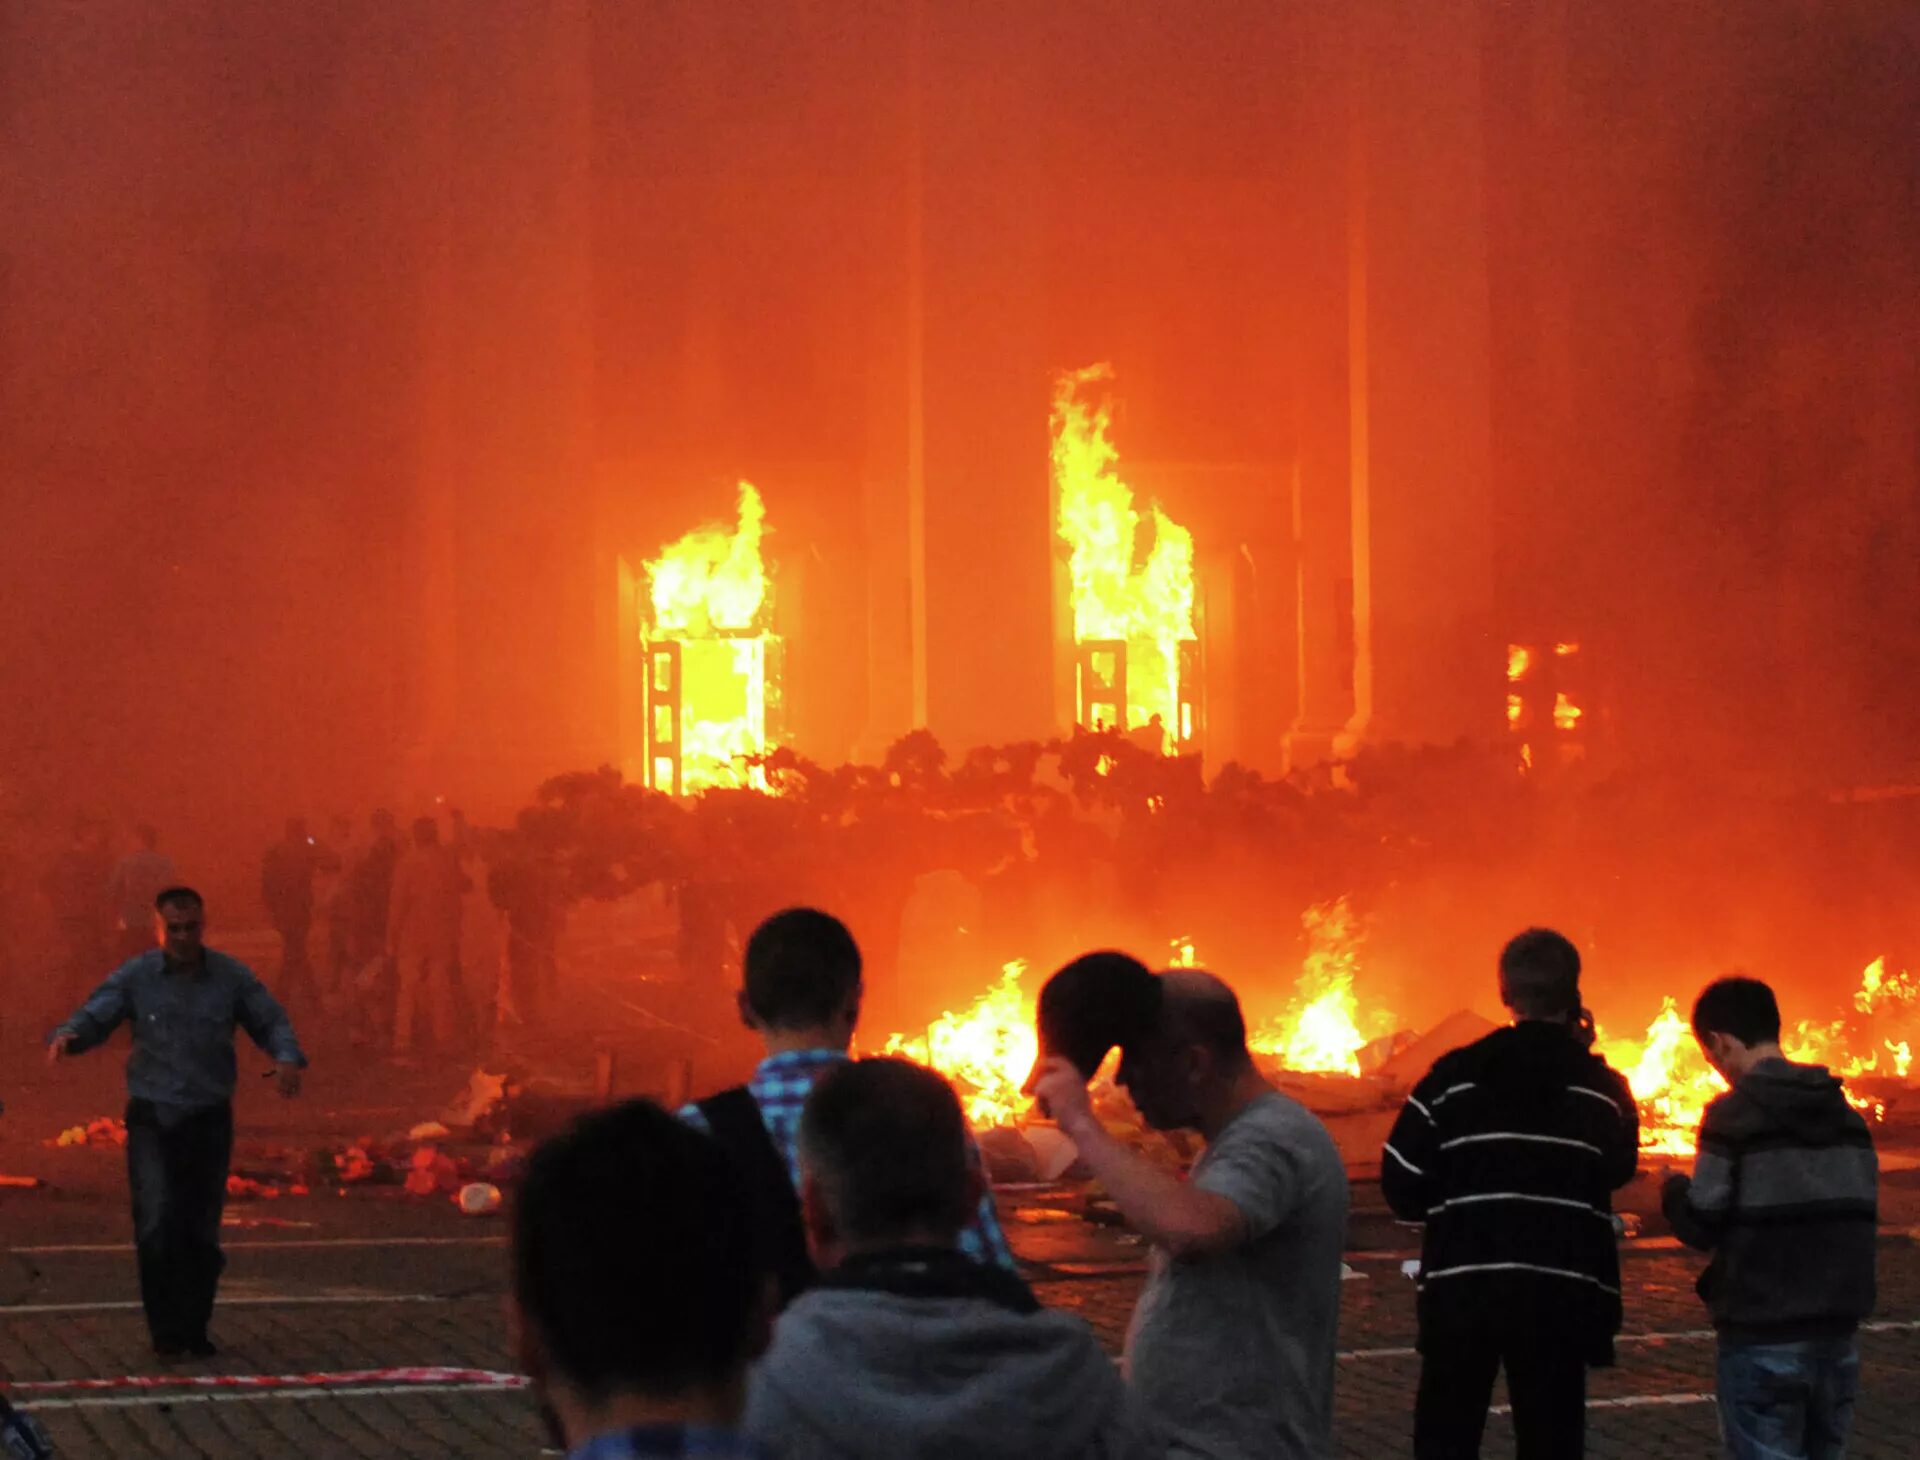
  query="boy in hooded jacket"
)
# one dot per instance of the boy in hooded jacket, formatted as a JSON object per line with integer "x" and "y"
{"x": 1784, "y": 1194}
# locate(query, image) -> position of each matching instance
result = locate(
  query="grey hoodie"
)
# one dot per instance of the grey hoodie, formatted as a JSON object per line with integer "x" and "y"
{"x": 861, "y": 1371}
{"x": 1785, "y": 1194}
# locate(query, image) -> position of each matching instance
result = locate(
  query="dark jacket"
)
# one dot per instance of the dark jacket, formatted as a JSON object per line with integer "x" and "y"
{"x": 1509, "y": 1151}
{"x": 1784, "y": 1193}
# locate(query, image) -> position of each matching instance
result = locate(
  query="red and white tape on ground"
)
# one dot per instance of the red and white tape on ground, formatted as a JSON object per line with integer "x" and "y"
{"x": 336, "y": 1379}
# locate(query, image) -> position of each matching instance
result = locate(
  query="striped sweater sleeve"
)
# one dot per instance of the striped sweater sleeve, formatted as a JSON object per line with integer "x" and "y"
{"x": 1698, "y": 1209}
{"x": 1412, "y": 1152}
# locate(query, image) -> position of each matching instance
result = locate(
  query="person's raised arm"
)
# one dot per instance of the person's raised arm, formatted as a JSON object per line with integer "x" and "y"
{"x": 1183, "y": 1218}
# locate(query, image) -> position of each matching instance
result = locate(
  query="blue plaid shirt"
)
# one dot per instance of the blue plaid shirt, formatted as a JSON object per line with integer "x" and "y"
{"x": 669, "y": 1442}
{"x": 780, "y": 1086}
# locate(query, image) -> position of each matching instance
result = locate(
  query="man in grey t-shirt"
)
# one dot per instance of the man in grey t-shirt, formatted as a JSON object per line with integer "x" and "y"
{"x": 1232, "y": 1344}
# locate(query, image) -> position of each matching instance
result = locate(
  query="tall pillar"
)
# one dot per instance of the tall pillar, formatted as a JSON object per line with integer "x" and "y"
{"x": 1427, "y": 664}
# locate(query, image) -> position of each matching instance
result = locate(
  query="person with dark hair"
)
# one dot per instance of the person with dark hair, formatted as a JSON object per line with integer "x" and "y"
{"x": 183, "y": 1001}
{"x": 137, "y": 880}
{"x": 800, "y": 993}
{"x": 907, "y": 1348}
{"x": 286, "y": 887}
{"x": 1785, "y": 1194}
{"x": 1509, "y": 1150}
{"x": 637, "y": 1302}
{"x": 1231, "y": 1348}
{"x": 370, "y": 895}
{"x": 423, "y": 937}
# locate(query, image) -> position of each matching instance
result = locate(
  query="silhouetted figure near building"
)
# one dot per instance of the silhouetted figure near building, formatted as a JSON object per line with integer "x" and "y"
{"x": 286, "y": 887}
{"x": 1509, "y": 1151}
{"x": 333, "y": 903}
{"x": 1785, "y": 1194}
{"x": 906, "y": 1349}
{"x": 525, "y": 886}
{"x": 76, "y": 887}
{"x": 138, "y": 879}
{"x": 423, "y": 937}
{"x": 370, "y": 896}
{"x": 637, "y": 1302}
{"x": 183, "y": 1001}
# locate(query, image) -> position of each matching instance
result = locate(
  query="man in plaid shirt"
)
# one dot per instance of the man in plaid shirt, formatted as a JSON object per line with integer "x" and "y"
{"x": 802, "y": 996}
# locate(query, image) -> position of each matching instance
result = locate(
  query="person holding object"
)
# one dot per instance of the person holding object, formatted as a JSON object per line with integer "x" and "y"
{"x": 1785, "y": 1194}
{"x": 1231, "y": 1347}
{"x": 1509, "y": 1151}
{"x": 183, "y": 1000}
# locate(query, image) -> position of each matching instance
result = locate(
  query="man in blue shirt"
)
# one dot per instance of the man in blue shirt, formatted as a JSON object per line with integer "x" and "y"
{"x": 183, "y": 1000}
{"x": 637, "y": 1299}
{"x": 801, "y": 995}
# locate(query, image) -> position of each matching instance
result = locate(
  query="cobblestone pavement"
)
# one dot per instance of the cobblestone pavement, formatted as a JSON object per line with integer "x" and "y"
{"x": 343, "y": 1314}
{"x": 332, "y": 1294}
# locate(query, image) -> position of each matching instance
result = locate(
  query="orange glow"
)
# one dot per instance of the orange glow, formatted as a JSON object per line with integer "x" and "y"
{"x": 1673, "y": 1083}
{"x": 1516, "y": 707}
{"x": 709, "y": 597}
{"x": 1566, "y": 714}
{"x": 1519, "y": 661}
{"x": 1320, "y": 1030}
{"x": 1878, "y": 990}
{"x": 1671, "y": 1080}
{"x": 985, "y": 1049}
{"x": 1119, "y": 594}
{"x": 1566, "y": 651}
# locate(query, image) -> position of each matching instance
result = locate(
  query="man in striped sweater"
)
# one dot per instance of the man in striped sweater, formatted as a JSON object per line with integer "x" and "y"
{"x": 1784, "y": 1194}
{"x": 1509, "y": 1151}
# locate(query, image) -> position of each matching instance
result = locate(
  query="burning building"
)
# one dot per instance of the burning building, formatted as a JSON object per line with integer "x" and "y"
{"x": 710, "y": 687}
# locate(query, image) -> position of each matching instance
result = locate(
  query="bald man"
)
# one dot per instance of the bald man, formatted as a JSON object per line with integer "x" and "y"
{"x": 1231, "y": 1347}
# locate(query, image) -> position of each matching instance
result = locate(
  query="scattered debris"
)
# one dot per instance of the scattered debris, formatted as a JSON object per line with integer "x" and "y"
{"x": 479, "y": 1199}
{"x": 102, "y": 1131}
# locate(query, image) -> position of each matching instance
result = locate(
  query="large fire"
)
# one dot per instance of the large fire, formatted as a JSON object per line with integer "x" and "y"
{"x": 710, "y": 655}
{"x": 986, "y": 1049}
{"x": 1320, "y": 1030}
{"x": 1673, "y": 1083}
{"x": 1132, "y": 599}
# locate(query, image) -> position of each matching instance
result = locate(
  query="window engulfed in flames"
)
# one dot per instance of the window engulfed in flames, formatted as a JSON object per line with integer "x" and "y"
{"x": 712, "y": 661}
{"x": 1132, "y": 593}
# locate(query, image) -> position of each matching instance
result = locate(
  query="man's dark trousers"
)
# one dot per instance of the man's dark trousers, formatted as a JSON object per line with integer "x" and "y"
{"x": 1546, "y": 1382}
{"x": 178, "y": 1173}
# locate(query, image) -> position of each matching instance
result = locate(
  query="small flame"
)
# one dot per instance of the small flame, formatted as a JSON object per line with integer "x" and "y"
{"x": 1566, "y": 651}
{"x": 1147, "y": 603}
{"x": 1320, "y": 1030}
{"x": 1671, "y": 1080}
{"x": 1519, "y": 661}
{"x": 986, "y": 1049}
{"x": 1516, "y": 707}
{"x": 1566, "y": 714}
{"x": 1902, "y": 1057}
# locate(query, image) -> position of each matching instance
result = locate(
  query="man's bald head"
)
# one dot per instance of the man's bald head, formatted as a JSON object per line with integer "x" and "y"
{"x": 1199, "y": 1009}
